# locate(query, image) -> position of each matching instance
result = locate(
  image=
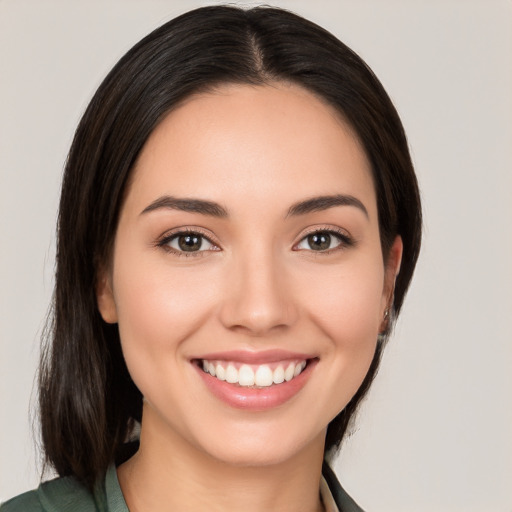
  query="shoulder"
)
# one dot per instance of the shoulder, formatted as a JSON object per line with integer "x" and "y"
{"x": 27, "y": 501}
{"x": 59, "y": 495}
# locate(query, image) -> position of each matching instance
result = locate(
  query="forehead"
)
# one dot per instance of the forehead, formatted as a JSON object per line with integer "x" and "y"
{"x": 263, "y": 143}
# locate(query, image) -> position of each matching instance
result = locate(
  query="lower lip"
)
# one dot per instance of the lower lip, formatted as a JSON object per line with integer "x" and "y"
{"x": 256, "y": 399}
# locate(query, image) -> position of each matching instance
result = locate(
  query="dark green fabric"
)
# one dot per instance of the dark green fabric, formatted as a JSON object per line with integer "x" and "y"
{"x": 343, "y": 501}
{"x": 67, "y": 495}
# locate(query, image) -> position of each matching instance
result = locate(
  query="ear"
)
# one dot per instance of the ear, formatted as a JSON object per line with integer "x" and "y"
{"x": 392, "y": 269}
{"x": 105, "y": 297}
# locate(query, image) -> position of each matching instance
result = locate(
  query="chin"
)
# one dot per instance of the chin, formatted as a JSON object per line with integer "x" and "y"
{"x": 255, "y": 449}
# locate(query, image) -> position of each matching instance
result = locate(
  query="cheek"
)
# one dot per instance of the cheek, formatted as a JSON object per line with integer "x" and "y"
{"x": 159, "y": 307}
{"x": 345, "y": 301}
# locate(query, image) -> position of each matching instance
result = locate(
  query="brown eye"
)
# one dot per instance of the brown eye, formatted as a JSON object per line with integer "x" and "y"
{"x": 319, "y": 241}
{"x": 188, "y": 242}
{"x": 323, "y": 241}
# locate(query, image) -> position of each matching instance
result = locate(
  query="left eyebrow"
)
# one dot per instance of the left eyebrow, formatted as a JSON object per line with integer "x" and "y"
{"x": 187, "y": 205}
{"x": 320, "y": 203}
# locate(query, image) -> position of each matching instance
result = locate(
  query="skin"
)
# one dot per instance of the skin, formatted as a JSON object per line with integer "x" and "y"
{"x": 256, "y": 151}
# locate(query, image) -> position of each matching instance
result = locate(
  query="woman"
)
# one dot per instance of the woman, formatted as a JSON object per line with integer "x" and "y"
{"x": 239, "y": 223}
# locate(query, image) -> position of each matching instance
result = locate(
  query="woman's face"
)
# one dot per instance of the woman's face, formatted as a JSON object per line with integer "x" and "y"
{"x": 248, "y": 245}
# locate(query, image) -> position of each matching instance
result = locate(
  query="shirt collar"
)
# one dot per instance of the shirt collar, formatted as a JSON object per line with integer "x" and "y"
{"x": 326, "y": 497}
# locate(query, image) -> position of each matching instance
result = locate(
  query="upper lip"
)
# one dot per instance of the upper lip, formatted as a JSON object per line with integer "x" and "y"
{"x": 255, "y": 357}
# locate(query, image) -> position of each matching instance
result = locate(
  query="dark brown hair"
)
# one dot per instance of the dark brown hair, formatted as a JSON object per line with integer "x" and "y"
{"x": 88, "y": 402}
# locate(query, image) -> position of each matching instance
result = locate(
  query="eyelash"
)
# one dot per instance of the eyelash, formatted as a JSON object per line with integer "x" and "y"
{"x": 345, "y": 241}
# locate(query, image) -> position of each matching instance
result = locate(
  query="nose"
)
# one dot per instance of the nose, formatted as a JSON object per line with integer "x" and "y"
{"x": 258, "y": 299}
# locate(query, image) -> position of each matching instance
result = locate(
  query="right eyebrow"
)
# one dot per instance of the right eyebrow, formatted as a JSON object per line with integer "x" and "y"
{"x": 187, "y": 205}
{"x": 320, "y": 203}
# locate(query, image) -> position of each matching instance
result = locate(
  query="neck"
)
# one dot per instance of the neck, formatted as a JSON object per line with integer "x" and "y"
{"x": 168, "y": 473}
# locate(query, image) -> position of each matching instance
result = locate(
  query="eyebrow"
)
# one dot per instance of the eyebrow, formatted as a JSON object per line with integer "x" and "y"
{"x": 320, "y": 203}
{"x": 187, "y": 205}
{"x": 203, "y": 207}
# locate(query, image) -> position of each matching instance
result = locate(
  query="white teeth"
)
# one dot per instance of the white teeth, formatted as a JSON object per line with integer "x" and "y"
{"x": 278, "y": 375}
{"x": 220, "y": 373}
{"x": 245, "y": 376}
{"x": 289, "y": 372}
{"x": 231, "y": 374}
{"x": 263, "y": 376}
{"x": 253, "y": 375}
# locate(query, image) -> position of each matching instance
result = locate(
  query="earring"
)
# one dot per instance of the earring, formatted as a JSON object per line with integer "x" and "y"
{"x": 386, "y": 325}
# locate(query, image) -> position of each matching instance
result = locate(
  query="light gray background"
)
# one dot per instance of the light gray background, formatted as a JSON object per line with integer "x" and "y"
{"x": 436, "y": 432}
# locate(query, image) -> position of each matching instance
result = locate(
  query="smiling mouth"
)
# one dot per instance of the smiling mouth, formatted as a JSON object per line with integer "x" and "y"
{"x": 253, "y": 375}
